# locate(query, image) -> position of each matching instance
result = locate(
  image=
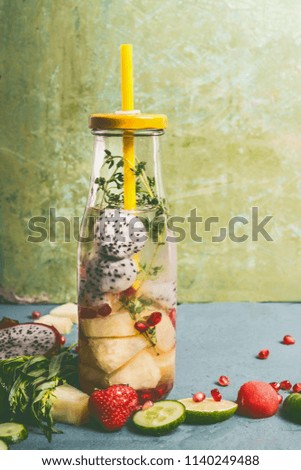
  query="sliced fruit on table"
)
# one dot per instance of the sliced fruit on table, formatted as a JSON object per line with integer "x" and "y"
{"x": 114, "y": 406}
{"x": 29, "y": 339}
{"x": 112, "y": 353}
{"x": 63, "y": 325}
{"x": 161, "y": 418}
{"x": 165, "y": 334}
{"x": 141, "y": 372}
{"x": 118, "y": 324}
{"x": 70, "y": 405}
{"x": 68, "y": 310}
{"x": 11, "y": 433}
{"x": 292, "y": 407}
{"x": 208, "y": 411}
{"x": 3, "y": 445}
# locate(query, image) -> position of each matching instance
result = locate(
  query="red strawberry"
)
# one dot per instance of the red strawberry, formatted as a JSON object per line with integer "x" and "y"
{"x": 113, "y": 406}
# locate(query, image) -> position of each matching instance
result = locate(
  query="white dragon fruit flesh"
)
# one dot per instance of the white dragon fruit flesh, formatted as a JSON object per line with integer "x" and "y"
{"x": 163, "y": 292}
{"x": 90, "y": 294}
{"x": 28, "y": 339}
{"x": 119, "y": 234}
{"x": 106, "y": 275}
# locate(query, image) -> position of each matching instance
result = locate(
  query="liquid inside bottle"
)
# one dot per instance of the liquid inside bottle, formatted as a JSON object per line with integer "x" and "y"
{"x": 127, "y": 273}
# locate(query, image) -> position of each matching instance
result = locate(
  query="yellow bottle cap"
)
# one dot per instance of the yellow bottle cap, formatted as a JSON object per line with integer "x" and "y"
{"x": 133, "y": 121}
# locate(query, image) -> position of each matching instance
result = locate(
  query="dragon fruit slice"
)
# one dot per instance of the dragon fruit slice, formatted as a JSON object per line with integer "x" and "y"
{"x": 29, "y": 339}
{"x": 119, "y": 234}
{"x": 111, "y": 276}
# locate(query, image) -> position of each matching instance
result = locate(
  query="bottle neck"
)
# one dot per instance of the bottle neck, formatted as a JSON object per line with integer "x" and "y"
{"x": 113, "y": 177}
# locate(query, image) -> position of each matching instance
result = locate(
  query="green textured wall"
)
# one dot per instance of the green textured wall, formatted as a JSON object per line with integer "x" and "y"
{"x": 228, "y": 75}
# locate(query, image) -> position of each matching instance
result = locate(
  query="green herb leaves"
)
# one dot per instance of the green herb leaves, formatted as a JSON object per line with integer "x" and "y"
{"x": 27, "y": 384}
{"x": 112, "y": 187}
{"x": 136, "y": 306}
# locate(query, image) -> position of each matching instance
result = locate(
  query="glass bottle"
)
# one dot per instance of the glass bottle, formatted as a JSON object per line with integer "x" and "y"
{"x": 126, "y": 262}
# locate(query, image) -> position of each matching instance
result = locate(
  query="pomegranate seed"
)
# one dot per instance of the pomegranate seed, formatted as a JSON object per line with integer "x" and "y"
{"x": 154, "y": 319}
{"x": 62, "y": 340}
{"x": 141, "y": 326}
{"x": 172, "y": 316}
{"x": 288, "y": 340}
{"x": 145, "y": 395}
{"x": 215, "y": 393}
{"x": 285, "y": 385}
{"x": 224, "y": 381}
{"x": 148, "y": 404}
{"x": 35, "y": 315}
{"x": 275, "y": 385}
{"x": 198, "y": 397}
{"x": 161, "y": 391}
{"x": 297, "y": 388}
{"x": 102, "y": 311}
{"x": 263, "y": 354}
{"x": 128, "y": 292}
{"x": 87, "y": 312}
{"x": 280, "y": 398}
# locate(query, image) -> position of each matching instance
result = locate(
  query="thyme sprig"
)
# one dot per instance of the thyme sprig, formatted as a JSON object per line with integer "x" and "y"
{"x": 112, "y": 187}
{"x": 146, "y": 195}
{"x": 152, "y": 271}
{"x": 112, "y": 196}
{"x": 136, "y": 306}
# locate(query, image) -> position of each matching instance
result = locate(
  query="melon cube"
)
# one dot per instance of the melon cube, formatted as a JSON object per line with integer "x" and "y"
{"x": 166, "y": 364}
{"x": 141, "y": 372}
{"x": 68, "y": 310}
{"x": 69, "y": 405}
{"x": 119, "y": 324}
{"x": 63, "y": 325}
{"x": 112, "y": 353}
{"x": 165, "y": 334}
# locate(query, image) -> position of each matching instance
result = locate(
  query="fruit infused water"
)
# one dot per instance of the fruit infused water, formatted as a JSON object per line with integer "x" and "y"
{"x": 127, "y": 260}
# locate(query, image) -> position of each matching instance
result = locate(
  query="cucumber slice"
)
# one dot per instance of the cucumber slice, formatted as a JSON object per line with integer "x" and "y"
{"x": 13, "y": 432}
{"x": 208, "y": 411}
{"x": 3, "y": 446}
{"x": 161, "y": 418}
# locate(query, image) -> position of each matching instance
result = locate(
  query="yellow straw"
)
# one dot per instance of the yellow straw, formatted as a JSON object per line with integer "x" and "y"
{"x": 127, "y": 84}
{"x": 127, "y": 93}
